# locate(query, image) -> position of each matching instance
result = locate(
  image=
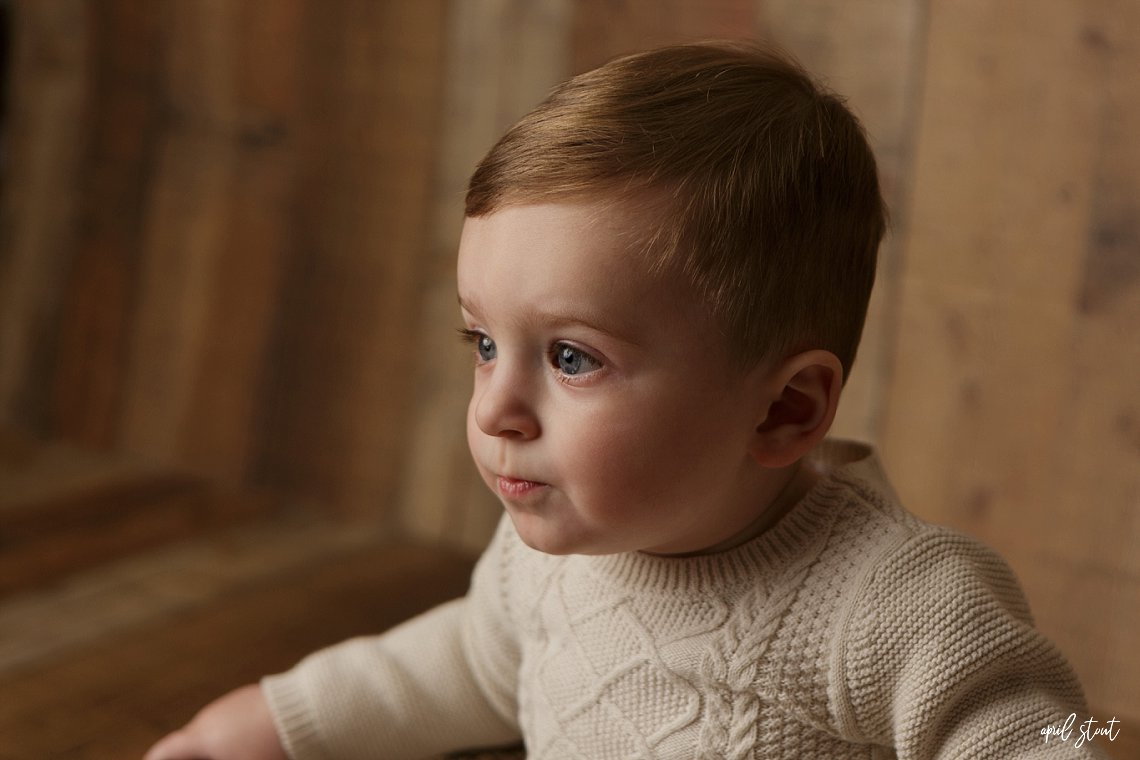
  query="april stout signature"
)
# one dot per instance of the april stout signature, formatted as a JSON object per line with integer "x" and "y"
{"x": 1084, "y": 732}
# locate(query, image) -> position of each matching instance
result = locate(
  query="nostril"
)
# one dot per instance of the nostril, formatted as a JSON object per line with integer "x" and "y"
{"x": 504, "y": 416}
{"x": 518, "y": 426}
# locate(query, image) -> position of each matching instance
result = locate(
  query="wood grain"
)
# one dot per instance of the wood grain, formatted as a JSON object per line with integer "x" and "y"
{"x": 45, "y": 142}
{"x": 602, "y": 30}
{"x": 338, "y": 375}
{"x": 1002, "y": 422}
{"x": 114, "y": 697}
{"x": 251, "y": 207}
{"x": 67, "y": 510}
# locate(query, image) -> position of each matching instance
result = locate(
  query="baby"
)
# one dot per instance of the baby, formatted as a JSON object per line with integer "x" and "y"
{"x": 663, "y": 275}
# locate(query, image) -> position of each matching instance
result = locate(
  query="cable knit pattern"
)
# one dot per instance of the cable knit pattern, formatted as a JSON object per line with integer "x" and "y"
{"x": 849, "y": 630}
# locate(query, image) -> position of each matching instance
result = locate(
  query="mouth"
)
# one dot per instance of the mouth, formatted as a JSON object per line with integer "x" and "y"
{"x": 516, "y": 488}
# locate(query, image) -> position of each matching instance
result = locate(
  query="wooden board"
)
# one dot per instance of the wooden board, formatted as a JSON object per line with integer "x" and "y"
{"x": 603, "y": 30}
{"x": 1013, "y": 397}
{"x": 64, "y": 510}
{"x": 45, "y": 136}
{"x": 218, "y": 216}
{"x": 114, "y": 698}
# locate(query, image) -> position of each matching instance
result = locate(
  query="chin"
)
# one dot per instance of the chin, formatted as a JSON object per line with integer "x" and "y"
{"x": 545, "y": 538}
{"x": 547, "y": 544}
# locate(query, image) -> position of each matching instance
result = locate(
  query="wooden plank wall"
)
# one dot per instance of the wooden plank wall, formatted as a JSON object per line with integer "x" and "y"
{"x": 1015, "y": 386}
{"x": 229, "y": 230}
{"x": 213, "y": 232}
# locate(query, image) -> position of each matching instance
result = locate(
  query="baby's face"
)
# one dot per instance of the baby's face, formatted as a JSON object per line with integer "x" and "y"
{"x": 606, "y": 414}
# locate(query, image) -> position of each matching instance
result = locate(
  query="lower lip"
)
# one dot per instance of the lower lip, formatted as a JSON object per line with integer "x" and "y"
{"x": 510, "y": 488}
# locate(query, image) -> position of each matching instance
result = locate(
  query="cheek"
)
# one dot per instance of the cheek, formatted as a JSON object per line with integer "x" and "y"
{"x": 471, "y": 428}
{"x": 474, "y": 439}
{"x": 631, "y": 452}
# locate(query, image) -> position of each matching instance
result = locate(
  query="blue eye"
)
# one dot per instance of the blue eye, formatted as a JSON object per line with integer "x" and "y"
{"x": 485, "y": 347}
{"x": 573, "y": 361}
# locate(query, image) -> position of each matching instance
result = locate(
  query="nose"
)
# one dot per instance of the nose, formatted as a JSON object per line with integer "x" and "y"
{"x": 504, "y": 405}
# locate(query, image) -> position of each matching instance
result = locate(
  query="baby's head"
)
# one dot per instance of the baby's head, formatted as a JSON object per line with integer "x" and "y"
{"x": 683, "y": 242}
{"x": 758, "y": 186}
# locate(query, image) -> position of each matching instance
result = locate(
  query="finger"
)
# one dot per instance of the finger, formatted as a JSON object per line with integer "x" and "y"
{"x": 175, "y": 746}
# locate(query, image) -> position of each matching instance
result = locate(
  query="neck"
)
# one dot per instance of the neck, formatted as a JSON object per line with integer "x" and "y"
{"x": 799, "y": 480}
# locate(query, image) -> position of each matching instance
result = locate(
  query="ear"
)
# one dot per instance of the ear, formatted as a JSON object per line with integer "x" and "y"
{"x": 804, "y": 389}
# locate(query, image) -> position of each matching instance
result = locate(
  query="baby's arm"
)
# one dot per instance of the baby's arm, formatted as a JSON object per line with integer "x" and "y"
{"x": 439, "y": 682}
{"x": 407, "y": 693}
{"x": 942, "y": 659}
{"x": 443, "y": 681}
{"x": 419, "y": 690}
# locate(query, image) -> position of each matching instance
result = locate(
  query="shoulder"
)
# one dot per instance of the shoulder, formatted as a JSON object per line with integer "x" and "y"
{"x": 918, "y": 583}
{"x": 894, "y": 559}
{"x": 913, "y": 570}
{"x": 939, "y": 649}
{"x": 919, "y": 600}
{"x": 932, "y": 583}
{"x": 939, "y": 617}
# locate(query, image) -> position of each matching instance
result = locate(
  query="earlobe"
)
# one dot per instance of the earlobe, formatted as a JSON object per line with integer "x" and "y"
{"x": 805, "y": 391}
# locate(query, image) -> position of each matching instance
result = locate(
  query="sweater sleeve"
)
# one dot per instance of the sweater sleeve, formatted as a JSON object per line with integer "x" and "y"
{"x": 440, "y": 682}
{"x": 941, "y": 659}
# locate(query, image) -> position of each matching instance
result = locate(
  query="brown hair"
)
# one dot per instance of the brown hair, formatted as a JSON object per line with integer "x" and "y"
{"x": 771, "y": 198}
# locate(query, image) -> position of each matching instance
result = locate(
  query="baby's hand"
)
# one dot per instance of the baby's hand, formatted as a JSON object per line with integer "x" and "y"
{"x": 237, "y": 726}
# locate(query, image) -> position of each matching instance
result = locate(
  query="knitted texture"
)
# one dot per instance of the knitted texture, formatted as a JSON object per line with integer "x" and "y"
{"x": 848, "y": 630}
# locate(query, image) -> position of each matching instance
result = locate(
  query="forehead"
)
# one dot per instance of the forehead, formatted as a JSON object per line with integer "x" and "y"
{"x": 564, "y": 256}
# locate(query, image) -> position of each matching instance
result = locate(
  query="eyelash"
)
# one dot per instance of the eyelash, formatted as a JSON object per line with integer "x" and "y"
{"x": 472, "y": 338}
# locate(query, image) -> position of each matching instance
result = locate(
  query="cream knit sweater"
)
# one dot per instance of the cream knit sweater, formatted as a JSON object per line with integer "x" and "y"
{"x": 850, "y": 629}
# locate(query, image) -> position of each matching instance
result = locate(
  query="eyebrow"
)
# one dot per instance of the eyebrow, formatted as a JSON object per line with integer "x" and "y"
{"x": 562, "y": 319}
